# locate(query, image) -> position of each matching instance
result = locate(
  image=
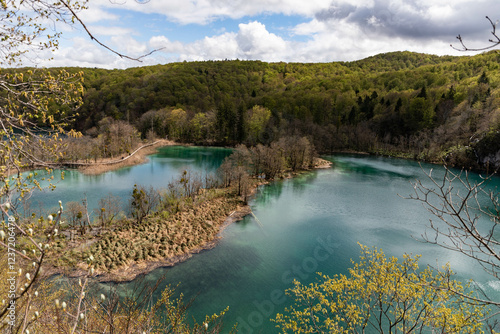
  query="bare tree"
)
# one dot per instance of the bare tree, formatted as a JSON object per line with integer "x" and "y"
{"x": 298, "y": 151}
{"x": 108, "y": 209}
{"x": 226, "y": 172}
{"x": 143, "y": 202}
{"x": 468, "y": 215}
{"x": 117, "y": 137}
{"x": 74, "y": 213}
{"x": 274, "y": 161}
{"x": 190, "y": 183}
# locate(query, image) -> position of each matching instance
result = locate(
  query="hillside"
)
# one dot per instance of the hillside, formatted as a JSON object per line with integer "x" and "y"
{"x": 414, "y": 105}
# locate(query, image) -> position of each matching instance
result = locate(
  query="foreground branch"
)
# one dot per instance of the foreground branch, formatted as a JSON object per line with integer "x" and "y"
{"x": 495, "y": 40}
{"x": 93, "y": 38}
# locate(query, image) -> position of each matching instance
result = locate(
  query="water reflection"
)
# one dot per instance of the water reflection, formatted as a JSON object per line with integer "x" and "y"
{"x": 303, "y": 181}
{"x": 181, "y": 157}
{"x": 376, "y": 165}
{"x": 123, "y": 171}
{"x": 269, "y": 193}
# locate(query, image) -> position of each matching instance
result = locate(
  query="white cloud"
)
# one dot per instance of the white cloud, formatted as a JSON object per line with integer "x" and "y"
{"x": 96, "y": 13}
{"x": 331, "y": 30}
{"x": 204, "y": 11}
{"x": 219, "y": 47}
{"x": 440, "y": 12}
{"x": 167, "y": 46}
{"x": 129, "y": 46}
{"x": 110, "y": 31}
{"x": 255, "y": 42}
{"x": 310, "y": 28}
{"x": 83, "y": 53}
{"x": 86, "y": 53}
{"x": 252, "y": 41}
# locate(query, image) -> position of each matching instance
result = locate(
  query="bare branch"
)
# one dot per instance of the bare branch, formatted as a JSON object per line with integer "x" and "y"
{"x": 495, "y": 40}
{"x": 465, "y": 223}
{"x": 93, "y": 38}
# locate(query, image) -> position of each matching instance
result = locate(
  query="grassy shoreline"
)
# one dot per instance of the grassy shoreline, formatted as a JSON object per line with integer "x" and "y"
{"x": 127, "y": 249}
{"x": 131, "y": 250}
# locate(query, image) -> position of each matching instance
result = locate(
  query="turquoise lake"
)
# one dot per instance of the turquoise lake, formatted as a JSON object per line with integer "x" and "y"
{"x": 161, "y": 168}
{"x": 308, "y": 224}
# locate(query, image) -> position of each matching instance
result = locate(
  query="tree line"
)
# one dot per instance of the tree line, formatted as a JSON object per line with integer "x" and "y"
{"x": 405, "y": 104}
{"x": 402, "y": 103}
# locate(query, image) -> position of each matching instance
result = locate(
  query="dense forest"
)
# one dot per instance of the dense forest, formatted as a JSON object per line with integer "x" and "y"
{"x": 405, "y": 104}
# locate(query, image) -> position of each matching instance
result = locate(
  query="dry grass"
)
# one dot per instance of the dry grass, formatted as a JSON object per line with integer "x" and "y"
{"x": 163, "y": 239}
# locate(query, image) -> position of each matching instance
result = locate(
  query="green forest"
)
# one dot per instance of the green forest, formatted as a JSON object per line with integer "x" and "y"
{"x": 433, "y": 108}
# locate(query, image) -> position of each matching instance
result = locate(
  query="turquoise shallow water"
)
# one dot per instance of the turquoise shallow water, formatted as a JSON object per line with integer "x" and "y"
{"x": 160, "y": 169}
{"x": 308, "y": 224}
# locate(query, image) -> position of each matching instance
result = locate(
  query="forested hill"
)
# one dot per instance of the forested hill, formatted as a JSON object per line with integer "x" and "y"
{"x": 416, "y": 105}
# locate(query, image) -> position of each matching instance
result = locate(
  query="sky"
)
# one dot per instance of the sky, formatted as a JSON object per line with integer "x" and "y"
{"x": 270, "y": 30}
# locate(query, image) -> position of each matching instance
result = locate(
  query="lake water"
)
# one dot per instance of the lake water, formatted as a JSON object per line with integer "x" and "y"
{"x": 308, "y": 224}
{"x": 160, "y": 169}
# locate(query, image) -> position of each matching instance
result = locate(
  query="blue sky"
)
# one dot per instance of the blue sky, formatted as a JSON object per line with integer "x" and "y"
{"x": 270, "y": 30}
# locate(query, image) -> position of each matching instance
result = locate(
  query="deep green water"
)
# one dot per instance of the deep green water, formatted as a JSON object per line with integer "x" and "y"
{"x": 309, "y": 224}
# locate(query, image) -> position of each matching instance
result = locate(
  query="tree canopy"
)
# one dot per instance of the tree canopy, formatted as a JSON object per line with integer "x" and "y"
{"x": 382, "y": 295}
{"x": 422, "y": 106}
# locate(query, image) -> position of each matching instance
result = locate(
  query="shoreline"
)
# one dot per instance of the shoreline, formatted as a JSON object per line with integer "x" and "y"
{"x": 138, "y": 157}
{"x": 129, "y": 272}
